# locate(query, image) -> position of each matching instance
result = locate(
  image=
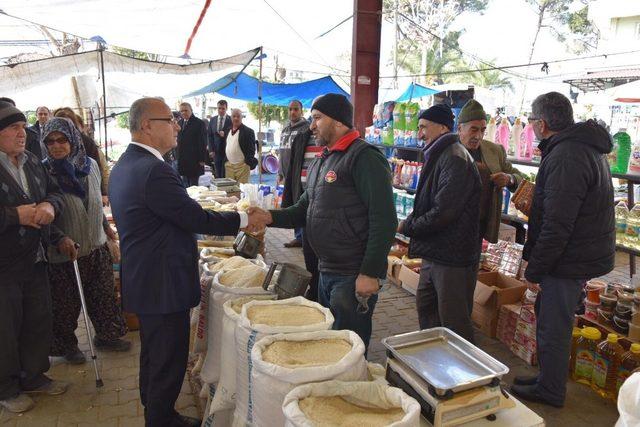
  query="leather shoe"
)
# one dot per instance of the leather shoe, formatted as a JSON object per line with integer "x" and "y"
{"x": 529, "y": 392}
{"x": 295, "y": 243}
{"x": 184, "y": 421}
{"x": 525, "y": 380}
{"x": 75, "y": 357}
{"x": 18, "y": 404}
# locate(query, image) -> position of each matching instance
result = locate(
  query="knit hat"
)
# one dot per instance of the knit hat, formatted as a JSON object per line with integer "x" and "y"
{"x": 10, "y": 115}
{"x": 439, "y": 113}
{"x": 472, "y": 110}
{"x": 335, "y": 106}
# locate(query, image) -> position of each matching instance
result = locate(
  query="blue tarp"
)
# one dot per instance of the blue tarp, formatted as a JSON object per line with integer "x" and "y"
{"x": 416, "y": 91}
{"x": 244, "y": 87}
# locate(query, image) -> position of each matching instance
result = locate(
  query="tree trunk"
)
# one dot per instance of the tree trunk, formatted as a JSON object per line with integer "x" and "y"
{"x": 541, "y": 11}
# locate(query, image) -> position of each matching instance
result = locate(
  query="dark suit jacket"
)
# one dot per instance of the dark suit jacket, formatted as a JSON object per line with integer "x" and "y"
{"x": 192, "y": 147}
{"x": 217, "y": 144}
{"x": 33, "y": 141}
{"x": 247, "y": 140}
{"x": 156, "y": 221}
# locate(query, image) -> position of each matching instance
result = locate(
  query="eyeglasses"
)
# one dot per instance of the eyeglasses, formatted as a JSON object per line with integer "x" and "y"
{"x": 533, "y": 119}
{"x": 59, "y": 140}
{"x": 171, "y": 120}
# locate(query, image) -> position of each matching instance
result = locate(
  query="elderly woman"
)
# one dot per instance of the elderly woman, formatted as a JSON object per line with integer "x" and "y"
{"x": 86, "y": 231}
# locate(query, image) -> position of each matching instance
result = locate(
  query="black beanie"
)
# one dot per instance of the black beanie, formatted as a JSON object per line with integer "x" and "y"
{"x": 335, "y": 106}
{"x": 9, "y": 115}
{"x": 439, "y": 113}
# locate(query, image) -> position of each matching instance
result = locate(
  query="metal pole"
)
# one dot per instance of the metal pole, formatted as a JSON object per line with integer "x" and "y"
{"x": 260, "y": 121}
{"x": 104, "y": 100}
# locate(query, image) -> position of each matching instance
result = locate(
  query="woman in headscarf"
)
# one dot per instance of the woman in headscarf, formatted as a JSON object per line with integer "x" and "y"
{"x": 86, "y": 231}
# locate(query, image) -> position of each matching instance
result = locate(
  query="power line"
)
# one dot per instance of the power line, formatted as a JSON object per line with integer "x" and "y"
{"x": 334, "y": 27}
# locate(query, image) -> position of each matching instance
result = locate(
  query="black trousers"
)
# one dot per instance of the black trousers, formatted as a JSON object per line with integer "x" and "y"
{"x": 218, "y": 163}
{"x": 163, "y": 363}
{"x": 25, "y": 332}
{"x": 311, "y": 264}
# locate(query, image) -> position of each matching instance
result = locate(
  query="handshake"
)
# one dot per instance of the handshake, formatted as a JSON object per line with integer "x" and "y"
{"x": 258, "y": 220}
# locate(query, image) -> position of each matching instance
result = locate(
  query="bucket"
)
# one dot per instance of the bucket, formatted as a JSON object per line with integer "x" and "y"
{"x": 593, "y": 290}
{"x": 604, "y": 317}
{"x": 608, "y": 302}
{"x": 620, "y": 325}
{"x": 591, "y": 309}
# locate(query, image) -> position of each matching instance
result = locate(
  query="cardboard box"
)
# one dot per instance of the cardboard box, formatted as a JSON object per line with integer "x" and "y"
{"x": 493, "y": 290}
{"x": 507, "y": 233}
{"x": 393, "y": 270}
{"x": 507, "y": 322}
{"x": 409, "y": 279}
{"x": 523, "y": 353}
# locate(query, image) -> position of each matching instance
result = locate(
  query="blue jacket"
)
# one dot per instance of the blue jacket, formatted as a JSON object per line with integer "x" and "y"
{"x": 156, "y": 222}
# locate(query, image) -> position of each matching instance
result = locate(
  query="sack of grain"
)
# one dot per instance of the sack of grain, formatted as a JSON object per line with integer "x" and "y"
{"x": 212, "y": 267}
{"x": 201, "y": 313}
{"x": 218, "y": 295}
{"x": 282, "y": 362}
{"x": 377, "y": 373}
{"x": 261, "y": 318}
{"x": 225, "y": 397}
{"x": 338, "y": 403}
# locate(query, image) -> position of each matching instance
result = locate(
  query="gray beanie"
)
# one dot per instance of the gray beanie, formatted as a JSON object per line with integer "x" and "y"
{"x": 9, "y": 115}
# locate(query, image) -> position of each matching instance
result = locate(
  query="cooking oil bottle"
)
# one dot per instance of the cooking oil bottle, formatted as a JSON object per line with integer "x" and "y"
{"x": 585, "y": 355}
{"x": 630, "y": 362}
{"x": 605, "y": 367}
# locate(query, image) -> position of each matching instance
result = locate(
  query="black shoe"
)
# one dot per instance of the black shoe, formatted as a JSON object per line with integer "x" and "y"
{"x": 75, "y": 357}
{"x": 119, "y": 345}
{"x": 528, "y": 392}
{"x": 184, "y": 421}
{"x": 524, "y": 380}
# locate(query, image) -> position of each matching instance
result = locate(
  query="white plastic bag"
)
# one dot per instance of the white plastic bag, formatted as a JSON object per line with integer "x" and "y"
{"x": 225, "y": 397}
{"x": 629, "y": 402}
{"x": 366, "y": 394}
{"x": 270, "y": 383}
{"x": 220, "y": 294}
{"x": 247, "y": 335}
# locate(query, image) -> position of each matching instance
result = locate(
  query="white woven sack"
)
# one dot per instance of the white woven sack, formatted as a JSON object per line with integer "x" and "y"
{"x": 200, "y": 341}
{"x": 359, "y": 393}
{"x": 247, "y": 335}
{"x": 270, "y": 383}
{"x": 220, "y": 294}
{"x": 377, "y": 373}
{"x": 208, "y": 261}
{"x": 629, "y": 402}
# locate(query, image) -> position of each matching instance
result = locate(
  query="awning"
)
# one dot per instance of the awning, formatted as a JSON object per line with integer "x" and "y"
{"x": 601, "y": 80}
{"x": 416, "y": 91}
{"x": 241, "y": 86}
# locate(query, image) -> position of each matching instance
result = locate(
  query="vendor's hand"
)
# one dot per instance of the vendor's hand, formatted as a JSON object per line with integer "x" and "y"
{"x": 501, "y": 179}
{"x": 26, "y": 215}
{"x": 45, "y": 213}
{"x": 68, "y": 247}
{"x": 367, "y": 286}
{"x": 105, "y": 200}
{"x": 258, "y": 219}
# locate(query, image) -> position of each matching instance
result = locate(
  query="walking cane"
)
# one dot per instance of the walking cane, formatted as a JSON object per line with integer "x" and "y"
{"x": 94, "y": 358}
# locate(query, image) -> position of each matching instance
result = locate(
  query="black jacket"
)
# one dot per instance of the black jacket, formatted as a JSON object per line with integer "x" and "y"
{"x": 444, "y": 224}
{"x": 33, "y": 141}
{"x": 572, "y": 222}
{"x": 192, "y": 147}
{"x": 292, "y": 180}
{"x": 247, "y": 140}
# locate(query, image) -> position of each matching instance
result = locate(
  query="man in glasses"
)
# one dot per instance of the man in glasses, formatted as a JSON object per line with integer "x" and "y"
{"x": 29, "y": 201}
{"x": 192, "y": 146}
{"x": 156, "y": 221}
{"x": 496, "y": 172}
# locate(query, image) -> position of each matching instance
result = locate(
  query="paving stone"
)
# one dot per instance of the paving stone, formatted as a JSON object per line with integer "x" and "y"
{"x": 131, "y": 421}
{"x": 125, "y": 396}
{"x": 107, "y": 412}
{"x": 72, "y": 418}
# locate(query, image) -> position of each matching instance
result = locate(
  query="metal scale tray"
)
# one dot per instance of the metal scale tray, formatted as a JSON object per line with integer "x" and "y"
{"x": 446, "y": 361}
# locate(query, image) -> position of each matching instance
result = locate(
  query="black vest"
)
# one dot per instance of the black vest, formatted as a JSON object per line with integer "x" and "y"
{"x": 337, "y": 221}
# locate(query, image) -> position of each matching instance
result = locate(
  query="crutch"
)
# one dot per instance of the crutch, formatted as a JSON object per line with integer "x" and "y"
{"x": 94, "y": 358}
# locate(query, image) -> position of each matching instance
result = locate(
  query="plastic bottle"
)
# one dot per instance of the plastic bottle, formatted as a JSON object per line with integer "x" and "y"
{"x": 525, "y": 152}
{"x": 586, "y": 354}
{"x": 622, "y": 212}
{"x": 633, "y": 228}
{"x": 619, "y": 156}
{"x": 575, "y": 336}
{"x": 605, "y": 368}
{"x": 490, "y": 133}
{"x": 634, "y": 159}
{"x": 503, "y": 134}
{"x": 514, "y": 139}
{"x": 630, "y": 362}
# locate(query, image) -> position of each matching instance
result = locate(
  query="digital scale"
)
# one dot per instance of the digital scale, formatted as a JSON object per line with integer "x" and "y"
{"x": 454, "y": 381}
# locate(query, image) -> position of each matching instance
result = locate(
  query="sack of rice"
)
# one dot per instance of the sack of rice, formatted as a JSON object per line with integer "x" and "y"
{"x": 283, "y": 361}
{"x": 225, "y": 397}
{"x": 200, "y": 341}
{"x": 338, "y": 403}
{"x": 218, "y": 295}
{"x": 211, "y": 268}
{"x": 377, "y": 373}
{"x": 261, "y": 318}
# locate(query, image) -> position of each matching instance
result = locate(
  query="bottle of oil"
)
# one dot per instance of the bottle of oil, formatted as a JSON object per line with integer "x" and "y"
{"x": 575, "y": 336}
{"x": 585, "y": 354}
{"x": 605, "y": 367}
{"x": 630, "y": 362}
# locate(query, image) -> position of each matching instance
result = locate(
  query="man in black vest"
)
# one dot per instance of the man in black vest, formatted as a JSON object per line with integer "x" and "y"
{"x": 349, "y": 215}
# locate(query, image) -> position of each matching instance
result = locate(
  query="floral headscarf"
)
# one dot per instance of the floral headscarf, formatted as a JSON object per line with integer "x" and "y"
{"x": 76, "y": 165}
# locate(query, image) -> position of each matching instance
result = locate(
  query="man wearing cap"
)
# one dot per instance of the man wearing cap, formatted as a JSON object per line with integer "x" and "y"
{"x": 348, "y": 214}
{"x": 496, "y": 172}
{"x": 29, "y": 201}
{"x": 443, "y": 226}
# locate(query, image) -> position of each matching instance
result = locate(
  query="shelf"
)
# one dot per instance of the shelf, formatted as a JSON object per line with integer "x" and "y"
{"x": 398, "y": 147}
{"x": 630, "y": 251}
{"x": 632, "y": 178}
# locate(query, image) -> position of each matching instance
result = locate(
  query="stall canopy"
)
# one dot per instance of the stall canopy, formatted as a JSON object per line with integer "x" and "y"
{"x": 239, "y": 85}
{"x": 416, "y": 91}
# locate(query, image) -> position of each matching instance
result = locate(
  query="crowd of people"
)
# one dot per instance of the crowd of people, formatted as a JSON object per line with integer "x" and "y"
{"x": 337, "y": 193}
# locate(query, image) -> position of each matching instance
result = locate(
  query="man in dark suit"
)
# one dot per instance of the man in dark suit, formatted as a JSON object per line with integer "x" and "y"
{"x": 156, "y": 220}
{"x": 192, "y": 146}
{"x": 240, "y": 151}
{"x": 219, "y": 127}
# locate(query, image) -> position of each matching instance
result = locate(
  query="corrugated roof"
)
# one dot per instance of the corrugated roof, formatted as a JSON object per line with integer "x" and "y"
{"x": 604, "y": 79}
